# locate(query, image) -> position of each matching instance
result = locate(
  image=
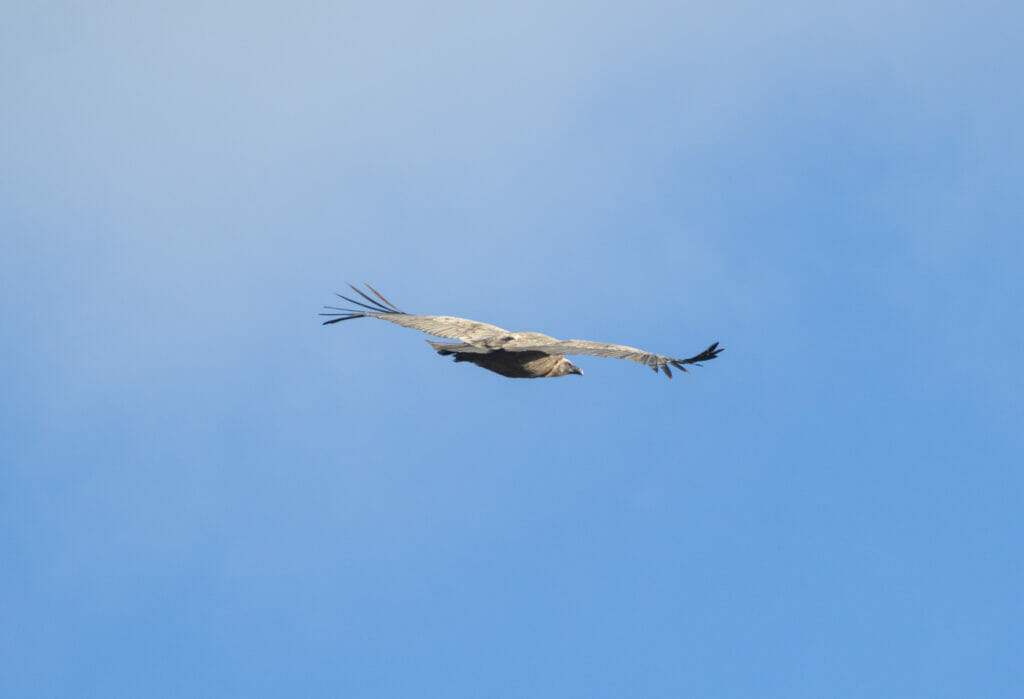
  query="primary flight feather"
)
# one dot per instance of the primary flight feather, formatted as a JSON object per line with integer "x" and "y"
{"x": 518, "y": 355}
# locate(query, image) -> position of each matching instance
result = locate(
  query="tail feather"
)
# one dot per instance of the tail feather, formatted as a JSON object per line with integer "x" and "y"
{"x": 446, "y": 348}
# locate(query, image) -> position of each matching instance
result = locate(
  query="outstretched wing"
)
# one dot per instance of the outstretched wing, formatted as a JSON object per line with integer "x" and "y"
{"x": 471, "y": 331}
{"x": 603, "y": 349}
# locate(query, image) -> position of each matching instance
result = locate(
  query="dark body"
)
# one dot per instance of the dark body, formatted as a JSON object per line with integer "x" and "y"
{"x": 516, "y": 365}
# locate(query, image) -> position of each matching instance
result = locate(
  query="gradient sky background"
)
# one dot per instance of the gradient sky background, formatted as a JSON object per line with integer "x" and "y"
{"x": 206, "y": 493}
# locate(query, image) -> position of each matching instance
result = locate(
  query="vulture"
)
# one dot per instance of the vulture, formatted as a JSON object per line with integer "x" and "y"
{"x": 517, "y": 355}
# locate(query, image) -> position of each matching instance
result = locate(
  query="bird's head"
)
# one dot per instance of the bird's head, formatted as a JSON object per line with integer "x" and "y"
{"x": 565, "y": 367}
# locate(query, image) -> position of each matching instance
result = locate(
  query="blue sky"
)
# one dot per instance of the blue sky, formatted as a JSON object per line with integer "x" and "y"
{"x": 206, "y": 493}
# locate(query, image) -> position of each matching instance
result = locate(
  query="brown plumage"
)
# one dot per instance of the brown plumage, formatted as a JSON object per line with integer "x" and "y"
{"x": 517, "y": 355}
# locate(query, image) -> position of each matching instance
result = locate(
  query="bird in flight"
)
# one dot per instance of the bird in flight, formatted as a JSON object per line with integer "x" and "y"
{"x": 517, "y": 355}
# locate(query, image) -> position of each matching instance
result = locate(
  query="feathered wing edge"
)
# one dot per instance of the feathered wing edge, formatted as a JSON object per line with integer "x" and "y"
{"x": 711, "y": 352}
{"x": 371, "y": 307}
{"x": 464, "y": 329}
{"x": 659, "y": 361}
